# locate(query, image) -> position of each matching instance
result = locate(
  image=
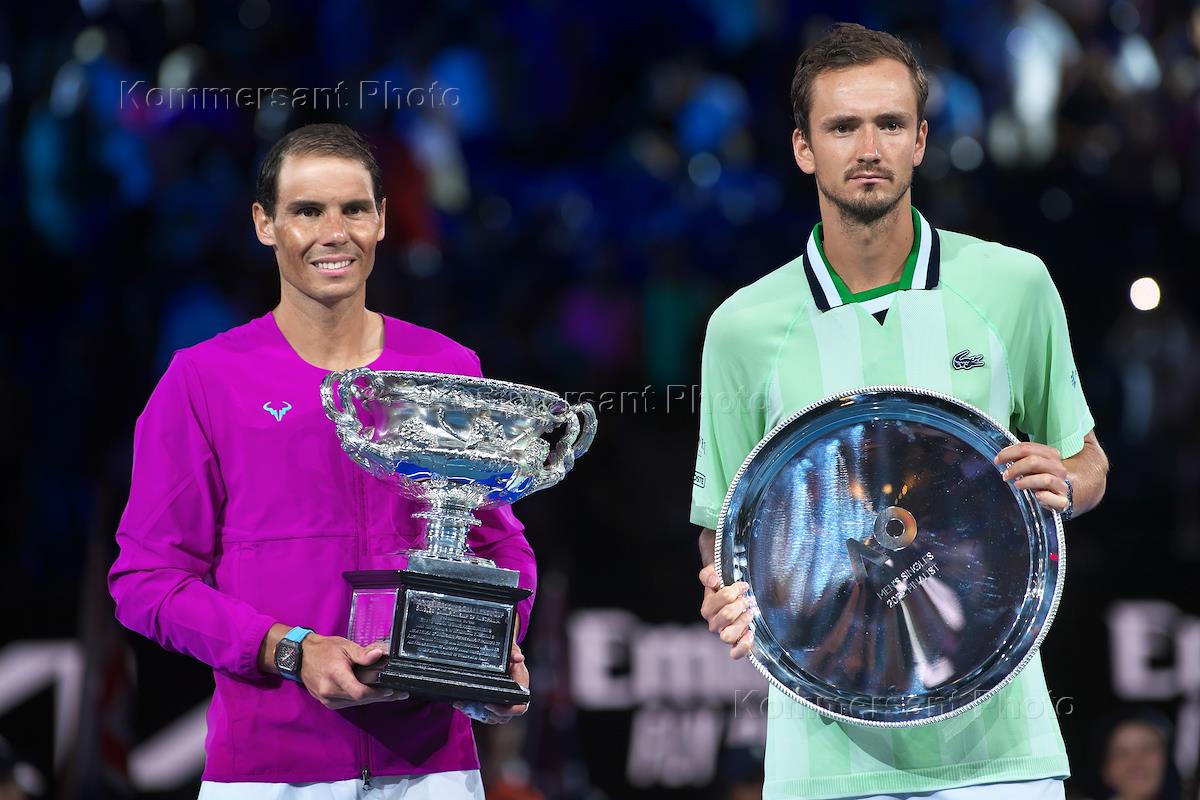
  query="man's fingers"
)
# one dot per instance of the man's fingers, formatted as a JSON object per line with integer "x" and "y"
{"x": 718, "y": 615}
{"x": 361, "y": 694}
{"x": 743, "y": 646}
{"x": 1050, "y": 483}
{"x": 1016, "y": 452}
{"x": 501, "y": 714}
{"x": 343, "y": 699}
{"x": 729, "y": 614}
{"x": 381, "y": 696}
{"x": 364, "y": 656}
{"x": 727, "y": 611}
{"x": 734, "y": 631}
{"x": 489, "y": 713}
{"x": 1035, "y": 465}
{"x": 331, "y": 694}
{"x": 346, "y": 686}
{"x": 716, "y": 601}
{"x": 709, "y": 578}
{"x": 1055, "y": 502}
{"x": 329, "y": 673}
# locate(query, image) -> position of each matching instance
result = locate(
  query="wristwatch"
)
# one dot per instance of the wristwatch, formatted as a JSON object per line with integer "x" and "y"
{"x": 288, "y": 653}
{"x": 1066, "y": 512}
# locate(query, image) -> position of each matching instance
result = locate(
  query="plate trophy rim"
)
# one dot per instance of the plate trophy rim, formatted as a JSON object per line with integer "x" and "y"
{"x": 757, "y": 655}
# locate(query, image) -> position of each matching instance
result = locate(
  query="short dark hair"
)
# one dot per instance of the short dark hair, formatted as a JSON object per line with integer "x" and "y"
{"x": 848, "y": 44}
{"x": 326, "y": 139}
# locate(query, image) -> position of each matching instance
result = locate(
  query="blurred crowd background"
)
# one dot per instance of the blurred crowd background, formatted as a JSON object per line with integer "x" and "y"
{"x": 572, "y": 189}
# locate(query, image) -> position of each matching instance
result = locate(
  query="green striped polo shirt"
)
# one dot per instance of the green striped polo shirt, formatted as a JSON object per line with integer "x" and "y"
{"x": 973, "y": 319}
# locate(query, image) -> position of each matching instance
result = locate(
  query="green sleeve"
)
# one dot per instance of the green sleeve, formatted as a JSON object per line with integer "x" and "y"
{"x": 1048, "y": 401}
{"x": 732, "y": 415}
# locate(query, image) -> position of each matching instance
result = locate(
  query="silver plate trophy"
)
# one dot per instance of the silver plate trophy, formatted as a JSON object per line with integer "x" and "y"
{"x": 895, "y": 578}
{"x": 457, "y": 444}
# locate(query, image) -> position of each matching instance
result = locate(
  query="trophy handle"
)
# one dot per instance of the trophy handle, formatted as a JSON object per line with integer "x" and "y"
{"x": 587, "y": 431}
{"x": 348, "y": 424}
{"x": 581, "y": 429}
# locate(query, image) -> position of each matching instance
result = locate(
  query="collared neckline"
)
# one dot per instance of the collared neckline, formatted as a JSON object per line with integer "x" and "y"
{"x": 921, "y": 271}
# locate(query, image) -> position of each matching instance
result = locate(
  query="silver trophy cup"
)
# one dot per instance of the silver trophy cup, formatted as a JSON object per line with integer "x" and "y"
{"x": 456, "y": 444}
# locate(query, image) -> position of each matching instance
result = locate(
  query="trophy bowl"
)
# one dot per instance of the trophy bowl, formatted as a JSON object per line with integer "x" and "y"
{"x": 895, "y": 578}
{"x": 456, "y": 444}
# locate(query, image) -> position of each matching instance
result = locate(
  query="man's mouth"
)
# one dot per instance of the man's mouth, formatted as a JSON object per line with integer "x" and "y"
{"x": 326, "y": 265}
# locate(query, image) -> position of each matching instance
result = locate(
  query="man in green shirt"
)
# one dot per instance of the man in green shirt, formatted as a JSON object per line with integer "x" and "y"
{"x": 879, "y": 296}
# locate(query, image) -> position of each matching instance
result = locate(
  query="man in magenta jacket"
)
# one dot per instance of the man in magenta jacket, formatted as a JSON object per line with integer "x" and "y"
{"x": 244, "y": 511}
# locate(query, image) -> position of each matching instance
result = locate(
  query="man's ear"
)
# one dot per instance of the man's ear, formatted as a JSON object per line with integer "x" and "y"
{"x": 803, "y": 153}
{"x": 382, "y": 219}
{"x": 919, "y": 150}
{"x": 264, "y": 226}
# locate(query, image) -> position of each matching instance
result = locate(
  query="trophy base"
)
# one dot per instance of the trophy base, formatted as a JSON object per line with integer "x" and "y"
{"x": 448, "y": 627}
{"x": 444, "y": 683}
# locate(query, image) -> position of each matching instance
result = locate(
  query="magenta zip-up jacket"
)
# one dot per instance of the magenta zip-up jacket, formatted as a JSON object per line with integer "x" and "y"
{"x": 244, "y": 511}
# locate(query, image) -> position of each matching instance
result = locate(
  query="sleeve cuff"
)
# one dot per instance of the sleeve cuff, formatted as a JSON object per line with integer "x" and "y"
{"x": 1069, "y": 446}
{"x": 705, "y": 517}
{"x": 252, "y": 635}
{"x": 524, "y": 611}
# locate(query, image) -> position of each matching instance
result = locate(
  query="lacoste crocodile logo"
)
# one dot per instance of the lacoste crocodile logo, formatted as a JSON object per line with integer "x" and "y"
{"x": 964, "y": 360}
{"x": 277, "y": 414}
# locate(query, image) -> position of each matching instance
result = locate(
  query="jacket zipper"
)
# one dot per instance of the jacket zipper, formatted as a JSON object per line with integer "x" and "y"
{"x": 360, "y": 481}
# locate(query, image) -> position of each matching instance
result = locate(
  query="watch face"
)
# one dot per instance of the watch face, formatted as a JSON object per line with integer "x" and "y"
{"x": 287, "y": 656}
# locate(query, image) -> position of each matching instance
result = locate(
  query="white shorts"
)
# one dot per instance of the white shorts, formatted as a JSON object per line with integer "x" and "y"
{"x": 1048, "y": 789}
{"x": 459, "y": 785}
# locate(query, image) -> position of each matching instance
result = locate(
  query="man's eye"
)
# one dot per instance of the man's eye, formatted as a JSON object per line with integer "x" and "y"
{"x": 841, "y": 129}
{"x": 893, "y": 126}
{"x": 309, "y": 212}
{"x": 352, "y": 210}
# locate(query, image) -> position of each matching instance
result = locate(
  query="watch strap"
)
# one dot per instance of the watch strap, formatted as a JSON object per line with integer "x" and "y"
{"x": 295, "y": 635}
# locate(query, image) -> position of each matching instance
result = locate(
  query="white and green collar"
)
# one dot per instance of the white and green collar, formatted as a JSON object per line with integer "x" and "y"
{"x": 921, "y": 271}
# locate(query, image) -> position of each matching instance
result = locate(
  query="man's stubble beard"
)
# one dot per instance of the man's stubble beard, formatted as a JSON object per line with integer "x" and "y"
{"x": 858, "y": 214}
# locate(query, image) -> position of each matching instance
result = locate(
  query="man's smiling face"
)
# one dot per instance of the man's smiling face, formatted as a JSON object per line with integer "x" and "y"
{"x": 325, "y": 228}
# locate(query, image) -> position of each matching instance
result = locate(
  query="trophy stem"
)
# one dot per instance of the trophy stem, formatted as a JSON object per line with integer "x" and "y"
{"x": 445, "y": 541}
{"x": 448, "y": 523}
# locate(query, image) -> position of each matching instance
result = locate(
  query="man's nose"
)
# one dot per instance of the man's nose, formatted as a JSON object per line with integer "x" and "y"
{"x": 333, "y": 228}
{"x": 868, "y": 150}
